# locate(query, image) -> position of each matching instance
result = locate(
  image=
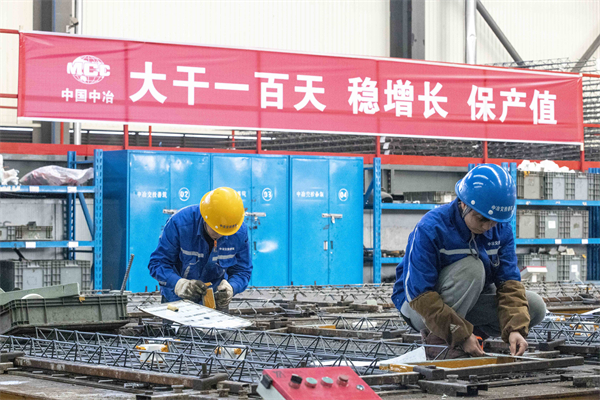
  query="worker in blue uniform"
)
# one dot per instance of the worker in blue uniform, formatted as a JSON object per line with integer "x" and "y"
{"x": 204, "y": 244}
{"x": 459, "y": 278}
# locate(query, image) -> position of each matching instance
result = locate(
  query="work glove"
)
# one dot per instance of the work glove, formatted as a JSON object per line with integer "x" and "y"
{"x": 513, "y": 309}
{"x": 225, "y": 294}
{"x": 190, "y": 289}
{"x": 441, "y": 319}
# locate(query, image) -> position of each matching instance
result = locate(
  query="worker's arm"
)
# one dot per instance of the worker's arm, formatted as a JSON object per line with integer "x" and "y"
{"x": 513, "y": 308}
{"x": 238, "y": 275}
{"x": 163, "y": 259}
{"x": 420, "y": 281}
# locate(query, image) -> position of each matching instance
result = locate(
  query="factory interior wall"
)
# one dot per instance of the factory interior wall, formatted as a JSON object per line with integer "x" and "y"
{"x": 537, "y": 30}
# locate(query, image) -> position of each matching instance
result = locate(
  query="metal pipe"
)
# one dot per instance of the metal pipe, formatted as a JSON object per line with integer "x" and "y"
{"x": 499, "y": 34}
{"x": 78, "y": 31}
{"x": 377, "y": 220}
{"x": 77, "y": 133}
{"x": 586, "y": 56}
{"x": 86, "y": 213}
{"x": 125, "y": 137}
{"x": 124, "y": 284}
{"x": 79, "y": 16}
{"x": 485, "y": 152}
{"x": 470, "y": 32}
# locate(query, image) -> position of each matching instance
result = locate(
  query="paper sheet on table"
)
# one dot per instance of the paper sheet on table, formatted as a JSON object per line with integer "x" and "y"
{"x": 343, "y": 363}
{"x": 195, "y": 315}
{"x": 415, "y": 356}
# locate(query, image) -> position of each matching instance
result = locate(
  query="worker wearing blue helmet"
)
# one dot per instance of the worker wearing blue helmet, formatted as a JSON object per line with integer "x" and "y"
{"x": 459, "y": 277}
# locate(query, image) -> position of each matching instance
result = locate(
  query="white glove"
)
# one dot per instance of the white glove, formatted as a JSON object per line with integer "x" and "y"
{"x": 225, "y": 294}
{"x": 190, "y": 289}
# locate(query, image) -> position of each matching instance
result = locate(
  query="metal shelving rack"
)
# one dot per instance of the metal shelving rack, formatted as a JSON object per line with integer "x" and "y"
{"x": 73, "y": 193}
{"x": 593, "y": 243}
{"x": 377, "y": 207}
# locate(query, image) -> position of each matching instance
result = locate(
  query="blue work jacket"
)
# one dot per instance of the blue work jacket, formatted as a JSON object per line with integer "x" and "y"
{"x": 183, "y": 252}
{"x": 441, "y": 238}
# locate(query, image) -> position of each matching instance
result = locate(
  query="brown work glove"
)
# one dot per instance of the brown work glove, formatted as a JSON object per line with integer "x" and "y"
{"x": 441, "y": 319}
{"x": 513, "y": 309}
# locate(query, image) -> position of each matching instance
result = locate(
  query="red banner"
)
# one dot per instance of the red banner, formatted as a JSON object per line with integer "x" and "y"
{"x": 74, "y": 78}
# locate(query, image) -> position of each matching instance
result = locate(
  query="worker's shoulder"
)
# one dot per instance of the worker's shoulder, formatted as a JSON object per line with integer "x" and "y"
{"x": 243, "y": 231}
{"x": 503, "y": 230}
{"x": 438, "y": 216}
{"x": 186, "y": 215}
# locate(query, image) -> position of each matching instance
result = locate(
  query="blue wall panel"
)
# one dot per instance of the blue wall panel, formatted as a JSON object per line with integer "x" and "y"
{"x": 234, "y": 172}
{"x": 115, "y": 217}
{"x": 139, "y": 186}
{"x": 262, "y": 184}
{"x": 346, "y": 234}
{"x": 149, "y": 192}
{"x": 189, "y": 180}
{"x": 309, "y": 230}
{"x": 290, "y": 240}
{"x": 269, "y": 244}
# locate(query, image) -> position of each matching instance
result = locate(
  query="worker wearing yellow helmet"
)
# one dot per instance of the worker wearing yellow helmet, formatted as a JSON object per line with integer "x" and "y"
{"x": 205, "y": 243}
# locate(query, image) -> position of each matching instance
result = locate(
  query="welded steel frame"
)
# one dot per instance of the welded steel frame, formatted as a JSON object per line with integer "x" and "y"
{"x": 188, "y": 339}
{"x": 194, "y": 351}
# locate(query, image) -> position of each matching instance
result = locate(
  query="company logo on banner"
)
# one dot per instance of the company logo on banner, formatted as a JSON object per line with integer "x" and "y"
{"x": 88, "y": 69}
{"x": 277, "y": 91}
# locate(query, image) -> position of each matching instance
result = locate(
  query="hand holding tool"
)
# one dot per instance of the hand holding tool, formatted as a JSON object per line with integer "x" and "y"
{"x": 190, "y": 289}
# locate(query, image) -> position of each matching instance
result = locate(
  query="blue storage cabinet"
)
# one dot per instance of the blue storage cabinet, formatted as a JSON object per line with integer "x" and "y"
{"x": 290, "y": 203}
{"x": 140, "y": 187}
{"x": 326, "y": 220}
{"x": 262, "y": 182}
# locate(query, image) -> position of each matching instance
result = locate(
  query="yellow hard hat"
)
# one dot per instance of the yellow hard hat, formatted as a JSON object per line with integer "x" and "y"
{"x": 223, "y": 210}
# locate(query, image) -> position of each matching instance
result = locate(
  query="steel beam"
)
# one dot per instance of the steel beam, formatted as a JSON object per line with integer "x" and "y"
{"x": 396, "y": 378}
{"x": 124, "y": 374}
{"x": 341, "y": 333}
{"x": 586, "y": 56}
{"x": 455, "y": 388}
{"x": 523, "y": 365}
{"x": 470, "y": 32}
{"x": 499, "y": 34}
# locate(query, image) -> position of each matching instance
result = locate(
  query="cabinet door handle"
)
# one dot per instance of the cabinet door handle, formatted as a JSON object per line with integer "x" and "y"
{"x": 254, "y": 246}
{"x": 325, "y": 245}
{"x": 332, "y": 245}
{"x": 332, "y": 216}
{"x": 169, "y": 211}
{"x": 256, "y": 214}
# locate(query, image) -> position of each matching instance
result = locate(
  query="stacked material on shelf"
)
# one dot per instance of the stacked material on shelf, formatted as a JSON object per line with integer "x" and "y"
{"x": 8, "y": 176}
{"x": 544, "y": 166}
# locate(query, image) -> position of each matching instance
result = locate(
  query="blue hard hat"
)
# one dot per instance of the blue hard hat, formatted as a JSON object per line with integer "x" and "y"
{"x": 489, "y": 190}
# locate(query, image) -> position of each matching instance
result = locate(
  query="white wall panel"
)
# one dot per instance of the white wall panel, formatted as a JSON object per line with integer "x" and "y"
{"x": 538, "y": 29}
{"x": 13, "y": 15}
{"x": 445, "y": 30}
{"x": 326, "y": 26}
